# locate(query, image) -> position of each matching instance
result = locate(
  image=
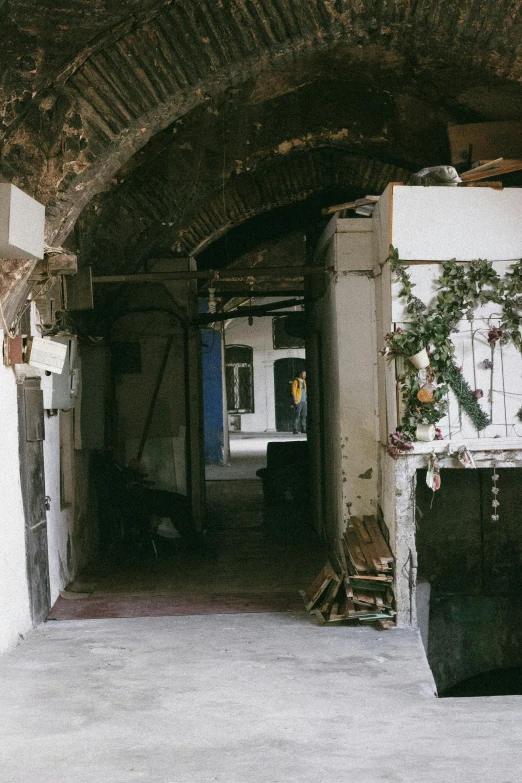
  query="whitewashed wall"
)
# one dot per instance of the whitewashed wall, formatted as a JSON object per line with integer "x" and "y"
{"x": 14, "y": 598}
{"x": 259, "y": 338}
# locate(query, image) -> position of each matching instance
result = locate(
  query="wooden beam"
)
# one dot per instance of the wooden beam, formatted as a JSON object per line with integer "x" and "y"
{"x": 487, "y": 140}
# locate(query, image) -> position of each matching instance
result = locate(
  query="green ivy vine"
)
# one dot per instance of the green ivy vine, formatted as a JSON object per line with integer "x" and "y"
{"x": 461, "y": 288}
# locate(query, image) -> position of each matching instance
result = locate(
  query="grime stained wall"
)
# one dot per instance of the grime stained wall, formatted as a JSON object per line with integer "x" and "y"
{"x": 356, "y": 330}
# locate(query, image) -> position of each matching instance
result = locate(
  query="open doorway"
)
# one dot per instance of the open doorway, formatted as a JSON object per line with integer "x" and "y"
{"x": 285, "y": 370}
{"x": 258, "y": 547}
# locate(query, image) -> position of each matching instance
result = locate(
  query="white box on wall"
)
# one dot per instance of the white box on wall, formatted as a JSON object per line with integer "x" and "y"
{"x": 440, "y": 223}
{"x": 22, "y": 224}
{"x": 59, "y": 389}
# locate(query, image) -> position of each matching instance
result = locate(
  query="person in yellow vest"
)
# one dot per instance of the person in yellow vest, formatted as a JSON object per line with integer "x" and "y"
{"x": 300, "y": 404}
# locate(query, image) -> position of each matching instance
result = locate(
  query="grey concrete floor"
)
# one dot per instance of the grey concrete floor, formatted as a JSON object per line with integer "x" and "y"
{"x": 247, "y": 455}
{"x": 241, "y": 699}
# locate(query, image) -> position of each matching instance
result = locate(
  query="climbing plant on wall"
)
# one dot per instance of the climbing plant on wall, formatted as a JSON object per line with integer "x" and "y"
{"x": 461, "y": 289}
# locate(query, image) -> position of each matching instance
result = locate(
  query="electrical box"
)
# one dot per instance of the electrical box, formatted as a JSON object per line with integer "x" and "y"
{"x": 60, "y": 390}
{"x": 22, "y": 223}
{"x": 77, "y": 291}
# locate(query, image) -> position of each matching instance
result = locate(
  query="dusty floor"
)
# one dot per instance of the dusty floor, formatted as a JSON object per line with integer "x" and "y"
{"x": 247, "y": 454}
{"x": 238, "y": 698}
{"x": 266, "y": 698}
{"x": 251, "y": 548}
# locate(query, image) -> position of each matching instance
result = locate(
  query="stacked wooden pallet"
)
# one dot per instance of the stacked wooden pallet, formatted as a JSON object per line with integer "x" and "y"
{"x": 363, "y": 590}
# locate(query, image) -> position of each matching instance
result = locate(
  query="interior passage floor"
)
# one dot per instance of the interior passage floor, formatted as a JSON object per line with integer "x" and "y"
{"x": 245, "y": 698}
{"x": 247, "y": 454}
{"x": 258, "y": 558}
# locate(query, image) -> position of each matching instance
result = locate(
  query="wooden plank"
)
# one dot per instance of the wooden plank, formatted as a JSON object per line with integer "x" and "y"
{"x": 354, "y": 551}
{"x": 319, "y": 585}
{"x": 482, "y": 184}
{"x": 366, "y": 544}
{"x": 505, "y": 168}
{"x": 374, "y": 587}
{"x": 363, "y": 598}
{"x": 489, "y": 164}
{"x": 350, "y": 205}
{"x": 378, "y": 539}
{"x": 329, "y": 596}
{"x": 487, "y": 139}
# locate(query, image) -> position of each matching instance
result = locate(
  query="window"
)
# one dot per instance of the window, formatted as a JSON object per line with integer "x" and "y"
{"x": 289, "y": 330}
{"x": 239, "y": 376}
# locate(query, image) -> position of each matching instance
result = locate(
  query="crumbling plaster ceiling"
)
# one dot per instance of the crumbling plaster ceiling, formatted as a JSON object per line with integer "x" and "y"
{"x": 87, "y": 85}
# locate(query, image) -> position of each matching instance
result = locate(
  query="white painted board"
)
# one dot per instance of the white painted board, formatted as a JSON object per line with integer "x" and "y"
{"x": 439, "y": 223}
{"x": 48, "y": 354}
{"x": 22, "y": 224}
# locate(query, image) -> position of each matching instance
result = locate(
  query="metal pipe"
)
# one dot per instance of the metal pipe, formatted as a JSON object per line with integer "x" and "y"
{"x": 240, "y": 274}
{"x": 244, "y": 312}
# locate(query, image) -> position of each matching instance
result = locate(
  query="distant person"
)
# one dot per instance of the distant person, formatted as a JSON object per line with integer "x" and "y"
{"x": 300, "y": 404}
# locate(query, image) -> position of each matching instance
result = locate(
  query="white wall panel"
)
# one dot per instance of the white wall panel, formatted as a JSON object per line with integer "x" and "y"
{"x": 439, "y": 223}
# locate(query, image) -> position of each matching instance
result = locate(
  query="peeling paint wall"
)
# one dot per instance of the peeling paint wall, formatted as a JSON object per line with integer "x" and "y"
{"x": 356, "y": 331}
{"x": 345, "y": 320}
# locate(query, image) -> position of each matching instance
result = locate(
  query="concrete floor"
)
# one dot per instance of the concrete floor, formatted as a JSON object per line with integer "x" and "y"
{"x": 240, "y": 698}
{"x": 268, "y": 698}
{"x": 247, "y": 455}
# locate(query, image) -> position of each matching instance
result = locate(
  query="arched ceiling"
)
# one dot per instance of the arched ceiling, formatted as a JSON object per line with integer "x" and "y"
{"x": 87, "y": 85}
{"x": 232, "y": 160}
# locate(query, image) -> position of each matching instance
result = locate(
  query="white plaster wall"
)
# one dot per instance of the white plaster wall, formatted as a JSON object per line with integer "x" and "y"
{"x": 15, "y": 616}
{"x": 59, "y": 520}
{"x": 259, "y": 338}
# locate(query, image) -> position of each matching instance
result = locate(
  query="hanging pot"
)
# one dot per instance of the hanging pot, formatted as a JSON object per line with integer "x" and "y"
{"x": 420, "y": 360}
{"x": 425, "y": 432}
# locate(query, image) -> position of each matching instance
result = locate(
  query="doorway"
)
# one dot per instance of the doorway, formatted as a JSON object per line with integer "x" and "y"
{"x": 285, "y": 371}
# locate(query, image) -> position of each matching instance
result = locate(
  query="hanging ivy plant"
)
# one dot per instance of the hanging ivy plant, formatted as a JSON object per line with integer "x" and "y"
{"x": 460, "y": 289}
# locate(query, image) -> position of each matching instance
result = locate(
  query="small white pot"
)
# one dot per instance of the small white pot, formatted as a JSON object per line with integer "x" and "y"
{"x": 420, "y": 360}
{"x": 425, "y": 432}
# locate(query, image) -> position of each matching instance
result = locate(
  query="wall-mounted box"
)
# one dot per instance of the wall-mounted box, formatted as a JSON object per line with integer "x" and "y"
{"x": 440, "y": 223}
{"x": 60, "y": 389}
{"x": 48, "y": 354}
{"x": 22, "y": 224}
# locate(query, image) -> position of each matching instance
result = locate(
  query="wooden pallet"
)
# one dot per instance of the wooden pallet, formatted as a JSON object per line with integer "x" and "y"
{"x": 363, "y": 591}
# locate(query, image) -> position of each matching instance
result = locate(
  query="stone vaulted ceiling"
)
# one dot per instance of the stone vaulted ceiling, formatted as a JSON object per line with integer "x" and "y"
{"x": 176, "y": 121}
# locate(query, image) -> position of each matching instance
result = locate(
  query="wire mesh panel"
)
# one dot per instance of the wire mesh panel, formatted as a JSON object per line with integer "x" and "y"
{"x": 239, "y": 377}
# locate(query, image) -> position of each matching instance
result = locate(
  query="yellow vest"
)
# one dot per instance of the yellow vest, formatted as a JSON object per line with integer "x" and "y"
{"x": 296, "y": 389}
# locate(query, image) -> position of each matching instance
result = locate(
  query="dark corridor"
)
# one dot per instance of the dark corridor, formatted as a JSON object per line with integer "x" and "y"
{"x": 473, "y": 564}
{"x": 256, "y": 559}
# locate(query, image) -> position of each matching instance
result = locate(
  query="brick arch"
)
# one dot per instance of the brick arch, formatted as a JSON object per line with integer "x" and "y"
{"x": 108, "y": 103}
{"x": 279, "y": 182}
